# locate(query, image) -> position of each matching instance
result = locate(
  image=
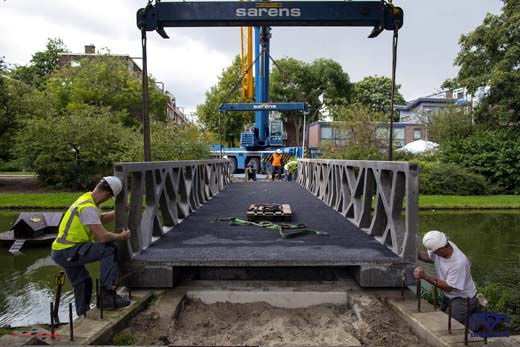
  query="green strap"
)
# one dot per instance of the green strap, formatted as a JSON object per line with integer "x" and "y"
{"x": 278, "y": 227}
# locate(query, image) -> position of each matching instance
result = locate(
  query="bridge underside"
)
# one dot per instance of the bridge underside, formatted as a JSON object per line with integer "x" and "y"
{"x": 203, "y": 247}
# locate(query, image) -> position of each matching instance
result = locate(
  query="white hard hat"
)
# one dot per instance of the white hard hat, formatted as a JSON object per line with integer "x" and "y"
{"x": 433, "y": 240}
{"x": 115, "y": 184}
{"x": 279, "y": 151}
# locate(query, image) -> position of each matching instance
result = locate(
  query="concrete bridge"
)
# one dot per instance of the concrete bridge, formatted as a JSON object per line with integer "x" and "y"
{"x": 368, "y": 209}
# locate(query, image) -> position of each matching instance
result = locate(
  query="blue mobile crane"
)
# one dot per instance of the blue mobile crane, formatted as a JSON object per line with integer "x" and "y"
{"x": 265, "y": 137}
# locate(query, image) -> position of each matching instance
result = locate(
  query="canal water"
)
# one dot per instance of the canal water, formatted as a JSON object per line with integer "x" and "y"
{"x": 491, "y": 239}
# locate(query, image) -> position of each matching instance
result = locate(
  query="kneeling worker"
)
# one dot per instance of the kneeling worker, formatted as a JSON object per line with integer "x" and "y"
{"x": 452, "y": 273}
{"x": 82, "y": 239}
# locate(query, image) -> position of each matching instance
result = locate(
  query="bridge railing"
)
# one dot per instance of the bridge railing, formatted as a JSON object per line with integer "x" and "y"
{"x": 372, "y": 195}
{"x": 157, "y": 196}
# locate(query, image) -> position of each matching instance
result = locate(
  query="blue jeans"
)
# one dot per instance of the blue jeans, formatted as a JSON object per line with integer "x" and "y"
{"x": 74, "y": 260}
{"x": 458, "y": 307}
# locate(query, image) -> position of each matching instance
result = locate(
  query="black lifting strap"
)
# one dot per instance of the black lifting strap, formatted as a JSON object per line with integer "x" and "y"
{"x": 394, "y": 64}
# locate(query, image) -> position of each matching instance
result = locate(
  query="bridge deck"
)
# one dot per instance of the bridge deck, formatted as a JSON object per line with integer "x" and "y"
{"x": 201, "y": 240}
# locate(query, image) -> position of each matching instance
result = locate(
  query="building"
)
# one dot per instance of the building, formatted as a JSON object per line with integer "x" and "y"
{"x": 175, "y": 113}
{"x": 74, "y": 59}
{"x": 331, "y": 132}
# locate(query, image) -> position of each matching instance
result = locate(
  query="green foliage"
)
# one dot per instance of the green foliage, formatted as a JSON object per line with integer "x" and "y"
{"x": 450, "y": 179}
{"x": 375, "y": 93}
{"x": 123, "y": 340}
{"x": 18, "y": 102}
{"x": 297, "y": 81}
{"x": 453, "y": 123}
{"x": 73, "y": 151}
{"x": 494, "y": 154}
{"x": 172, "y": 142}
{"x": 37, "y": 73}
{"x": 504, "y": 294}
{"x": 105, "y": 81}
{"x": 358, "y": 133}
{"x": 4, "y": 331}
{"x": 490, "y": 56}
{"x": 232, "y": 123}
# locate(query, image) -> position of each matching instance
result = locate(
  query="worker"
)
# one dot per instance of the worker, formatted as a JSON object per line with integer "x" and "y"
{"x": 289, "y": 169}
{"x": 251, "y": 171}
{"x": 276, "y": 164}
{"x": 82, "y": 239}
{"x": 452, "y": 273}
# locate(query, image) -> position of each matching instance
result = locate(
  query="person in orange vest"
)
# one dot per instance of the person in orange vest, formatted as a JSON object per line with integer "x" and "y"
{"x": 277, "y": 164}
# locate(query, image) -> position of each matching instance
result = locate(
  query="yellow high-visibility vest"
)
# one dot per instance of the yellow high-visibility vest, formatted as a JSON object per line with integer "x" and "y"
{"x": 71, "y": 231}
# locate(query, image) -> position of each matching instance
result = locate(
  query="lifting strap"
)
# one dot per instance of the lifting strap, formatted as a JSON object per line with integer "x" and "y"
{"x": 279, "y": 227}
{"x": 394, "y": 64}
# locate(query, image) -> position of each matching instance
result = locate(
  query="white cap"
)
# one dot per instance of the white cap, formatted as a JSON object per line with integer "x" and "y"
{"x": 115, "y": 184}
{"x": 279, "y": 151}
{"x": 434, "y": 239}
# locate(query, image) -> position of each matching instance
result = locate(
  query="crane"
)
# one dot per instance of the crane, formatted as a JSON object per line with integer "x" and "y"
{"x": 379, "y": 14}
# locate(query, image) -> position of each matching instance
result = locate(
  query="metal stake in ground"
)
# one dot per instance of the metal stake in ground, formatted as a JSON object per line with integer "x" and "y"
{"x": 418, "y": 295}
{"x": 71, "y": 323}
{"x": 97, "y": 293}
{"x": 59, "y": 279}
{"x": 449, "y": 316}
{"x": 403, "y": 281}
{"x": 52, "y": 320}
{"x": 466, "y": 322}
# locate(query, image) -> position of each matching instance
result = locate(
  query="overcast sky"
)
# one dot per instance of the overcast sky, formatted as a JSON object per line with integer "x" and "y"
{"x": 191, "y": 60}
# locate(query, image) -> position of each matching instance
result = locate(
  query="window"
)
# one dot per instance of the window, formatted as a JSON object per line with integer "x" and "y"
{"x": 326, "y": 133}
{"x": 417, "y": 134}
{"x": 399, "y": 137}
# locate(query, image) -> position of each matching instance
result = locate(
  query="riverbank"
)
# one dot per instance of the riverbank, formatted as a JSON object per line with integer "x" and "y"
{"x": 23, "y": 192}
{"x": 62, "y": 200}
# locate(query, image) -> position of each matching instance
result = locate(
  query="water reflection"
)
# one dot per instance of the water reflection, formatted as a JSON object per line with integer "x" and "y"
{"x": 27, "y": 283}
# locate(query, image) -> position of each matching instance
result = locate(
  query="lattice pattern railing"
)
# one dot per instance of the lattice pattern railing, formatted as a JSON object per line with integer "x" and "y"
{"x": 161, "y": 194}
{"x": 372, "y": 195}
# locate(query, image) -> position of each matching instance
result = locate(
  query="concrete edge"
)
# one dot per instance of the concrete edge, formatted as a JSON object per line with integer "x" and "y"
{"x": 416, "y": 325}
{"x": 116, "y": 324}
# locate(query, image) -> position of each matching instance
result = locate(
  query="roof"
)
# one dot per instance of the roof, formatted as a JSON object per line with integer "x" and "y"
{"x": 414, "y": 103}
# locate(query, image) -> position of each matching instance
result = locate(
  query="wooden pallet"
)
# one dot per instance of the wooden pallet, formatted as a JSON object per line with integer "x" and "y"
{"x": 271, "y": 212}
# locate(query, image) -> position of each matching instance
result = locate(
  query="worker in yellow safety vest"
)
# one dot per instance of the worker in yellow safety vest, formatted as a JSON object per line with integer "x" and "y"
{"x": 277, "y": 164}
{"x": 83, "y": 239}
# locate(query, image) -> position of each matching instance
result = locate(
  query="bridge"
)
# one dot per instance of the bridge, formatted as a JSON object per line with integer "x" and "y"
{"x": 369, "y": 210}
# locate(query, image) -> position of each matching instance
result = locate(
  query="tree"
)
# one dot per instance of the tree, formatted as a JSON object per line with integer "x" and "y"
{"x": 105, "y": 81}
{"x": 490, "y": 56}
{"x": 18, "y": 102}
{"x": 42, "y": 65}
{"x": 294, "y": 80}
{"x": 232, "y": 123}
{"x": 359, "y": 132}
{"x": 74, "y": 150}
{"x": 375, "y": 93}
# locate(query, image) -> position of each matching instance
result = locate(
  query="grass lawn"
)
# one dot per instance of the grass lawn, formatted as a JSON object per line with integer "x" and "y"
{"x": 42, "y": 200}
{"x": 17, "y": 173}
{"x": 469, "y": 202}
{"x": 63, "y": 200}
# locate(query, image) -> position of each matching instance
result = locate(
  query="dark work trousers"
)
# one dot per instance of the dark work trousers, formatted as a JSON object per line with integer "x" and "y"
{"x": 458, "y": 307}
{"x": 74, "y": 260}
{"x": 279, "y": 170}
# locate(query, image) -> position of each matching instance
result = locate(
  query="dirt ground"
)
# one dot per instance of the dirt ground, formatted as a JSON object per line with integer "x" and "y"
{"x": 366, "y": 321}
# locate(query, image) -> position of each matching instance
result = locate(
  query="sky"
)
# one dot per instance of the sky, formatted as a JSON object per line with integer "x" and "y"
{"x": 190, "y": 62}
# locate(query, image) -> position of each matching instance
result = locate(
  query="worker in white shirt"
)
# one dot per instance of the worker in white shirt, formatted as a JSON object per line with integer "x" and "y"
{"x": 452, "y": 273}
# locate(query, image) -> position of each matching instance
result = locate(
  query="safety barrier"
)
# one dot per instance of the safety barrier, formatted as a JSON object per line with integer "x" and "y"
{"x": 372, "y": 195}
{"x": 157, "y": 196}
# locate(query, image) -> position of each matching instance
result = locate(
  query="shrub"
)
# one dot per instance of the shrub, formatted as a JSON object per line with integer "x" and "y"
{"x": 450, "y": 179}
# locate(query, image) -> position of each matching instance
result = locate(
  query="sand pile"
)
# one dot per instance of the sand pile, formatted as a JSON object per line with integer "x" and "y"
{"x": 366, "y": 321}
